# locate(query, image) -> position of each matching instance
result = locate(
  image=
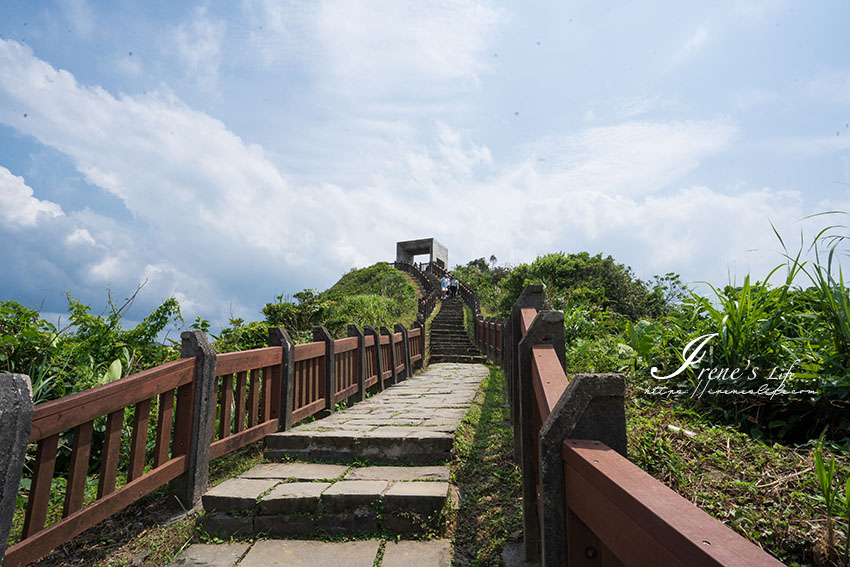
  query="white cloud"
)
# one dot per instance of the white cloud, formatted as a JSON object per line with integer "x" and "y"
{"x": 80, "y": 236}
{"x": 198, "y": 46}
{"x": 631, "y": 157}
{"x": 376, "y": 48}
{"x": 215, "y": 221}
{"x": 18, "y": 206}
{"x": 693, "y": 44}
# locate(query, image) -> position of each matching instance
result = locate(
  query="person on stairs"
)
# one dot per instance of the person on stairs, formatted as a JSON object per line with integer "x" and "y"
{"x": 444, "y": 287}
{"x": 453, "y": 283}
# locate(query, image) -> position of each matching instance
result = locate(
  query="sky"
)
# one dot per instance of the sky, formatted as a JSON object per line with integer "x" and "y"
{"x": 227, "y": 152}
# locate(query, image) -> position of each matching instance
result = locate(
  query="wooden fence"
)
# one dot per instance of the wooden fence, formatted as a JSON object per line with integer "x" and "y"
{"x": 427, "y": 303}
{"x": 584, "y": 502}
{"x": 180, "y": 415}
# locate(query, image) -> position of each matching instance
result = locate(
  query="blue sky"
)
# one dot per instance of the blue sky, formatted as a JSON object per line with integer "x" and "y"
{"x": 226, "y": 152}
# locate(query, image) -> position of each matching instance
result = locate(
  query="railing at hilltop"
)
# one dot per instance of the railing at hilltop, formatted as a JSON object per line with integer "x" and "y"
{"x": 184, "y": 413}
{"x": 584, "y": 502}
{"x": 429, "y": 301}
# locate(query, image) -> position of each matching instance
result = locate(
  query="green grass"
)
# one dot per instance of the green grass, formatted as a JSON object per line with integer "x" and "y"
{"x": 489, "y": 482}
{"x": 766, "y": 492}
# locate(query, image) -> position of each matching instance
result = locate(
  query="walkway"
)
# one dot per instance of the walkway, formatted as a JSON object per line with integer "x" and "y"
{"x": 388, "y": 476}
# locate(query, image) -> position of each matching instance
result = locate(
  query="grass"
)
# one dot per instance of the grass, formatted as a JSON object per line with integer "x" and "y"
{"x": 766, "y": 492}
{"x": 490, "y": 484}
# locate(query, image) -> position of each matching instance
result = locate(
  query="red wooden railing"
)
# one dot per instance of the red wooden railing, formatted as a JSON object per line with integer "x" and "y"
{"x": 429, "y": 301}
{"x": 605, "y": 510}
{"x": 414, "y": 344}
{"x": 247, "y": 391}
{"x": 77, "y": 414}
{"x": 250, "y": 410}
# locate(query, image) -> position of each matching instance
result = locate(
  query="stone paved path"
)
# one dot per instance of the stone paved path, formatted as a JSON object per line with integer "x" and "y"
{"x": 412, "y": 422}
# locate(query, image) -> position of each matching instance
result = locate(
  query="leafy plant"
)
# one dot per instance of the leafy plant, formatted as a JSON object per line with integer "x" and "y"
{"x": 825, "y": 477}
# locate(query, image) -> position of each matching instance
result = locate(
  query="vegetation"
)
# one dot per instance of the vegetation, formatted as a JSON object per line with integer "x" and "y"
{"x": 91, "y": 350}
{"x": 487, "y": 477}
{"x": 377, "y": 295}
{"x": 757, "y": 370}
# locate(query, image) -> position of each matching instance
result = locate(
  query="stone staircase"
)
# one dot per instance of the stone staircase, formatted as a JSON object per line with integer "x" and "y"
{"x": 388, "y": 478}
{"x": 449, "y": 341}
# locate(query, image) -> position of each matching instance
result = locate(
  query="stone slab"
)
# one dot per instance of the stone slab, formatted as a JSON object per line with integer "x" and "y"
{"x": 297, "y": 471}
{"x": 415, "y": 496}
{"x": 435, "y": 553}
{"x": 293, "y": 497}
{"x": 398, "y": 473}
{"x": 348, "y": 495}
{"x": 237, "y": 494}
{"x": 209, "y": 555}
{"x": 297, "y": 553}
{"x": 225, "y": 526}
{"x": 284, "y": 526}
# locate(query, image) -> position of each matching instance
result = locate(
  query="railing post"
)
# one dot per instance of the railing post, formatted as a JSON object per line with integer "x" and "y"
{"x": 354, "y": 331}
{"x": 421, "y": 328}
{"x": 399, "y": 328}
{"x": 547, "y": 328}
{"x": 279, "y": 337}
{"x": 531, "y": 296}
{"x": 379, "y": 358}
{"x": 16, "y": 409}
{"x": 190, "y": 486}
{"x": 321, "y": 334}
{"x": 393, "y": 363}
{"x": 592, "y": 408}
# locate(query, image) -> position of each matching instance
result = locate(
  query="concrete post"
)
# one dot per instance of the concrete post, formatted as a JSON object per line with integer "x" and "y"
{"x": 354, "y": 331}
{"x": 189, "y": 487}
{"x": 393, "y": 362}
{"x": 592, "y": 407}
{"x": 399, "y": 328}
{"x": 279, "y": 337}
{"x": 421, "y": 327}
{"x": 16, "y": 410}
{"x": 320, "y": 334}
{"x": 531, "y": 296}
{"x": 379, "y": 358}
{"x": 547, "y": 328}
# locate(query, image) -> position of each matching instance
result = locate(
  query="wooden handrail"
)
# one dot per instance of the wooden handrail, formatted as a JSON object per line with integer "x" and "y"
{"x": 641, "y": 521}
{"x": 548, "y": 379}
{"x": 527, "y": 315}
{"x": 65, "y": 413}
{"x": 240, "y": 361}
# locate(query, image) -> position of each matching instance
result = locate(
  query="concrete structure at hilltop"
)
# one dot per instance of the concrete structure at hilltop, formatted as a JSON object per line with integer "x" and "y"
{"x": 405, "y": 251}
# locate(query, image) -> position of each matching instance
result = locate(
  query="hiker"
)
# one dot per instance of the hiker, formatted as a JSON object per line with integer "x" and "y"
{"x": 453, "y": 287}
{"x": 444, "y": 287}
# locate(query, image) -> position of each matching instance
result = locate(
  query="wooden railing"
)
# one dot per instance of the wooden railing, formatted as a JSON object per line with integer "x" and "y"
{"x": 178, "y": 417}
{"x": 75, "y": 417}
{"x": 584, "y": 502}
{"x": 429, "y": 301}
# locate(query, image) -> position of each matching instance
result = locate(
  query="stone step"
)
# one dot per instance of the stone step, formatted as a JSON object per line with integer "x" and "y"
{"x": 311, "y": 553}
{"x": 303, "y": 499}
{"x": 458, "y": 358}
{"x": 454, "y": 352}
{"x": 391, "y": 444}
{"x": 455, "y": 347}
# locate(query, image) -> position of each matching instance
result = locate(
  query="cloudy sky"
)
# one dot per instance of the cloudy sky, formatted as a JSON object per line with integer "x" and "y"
{"x": 226, "y": 152}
